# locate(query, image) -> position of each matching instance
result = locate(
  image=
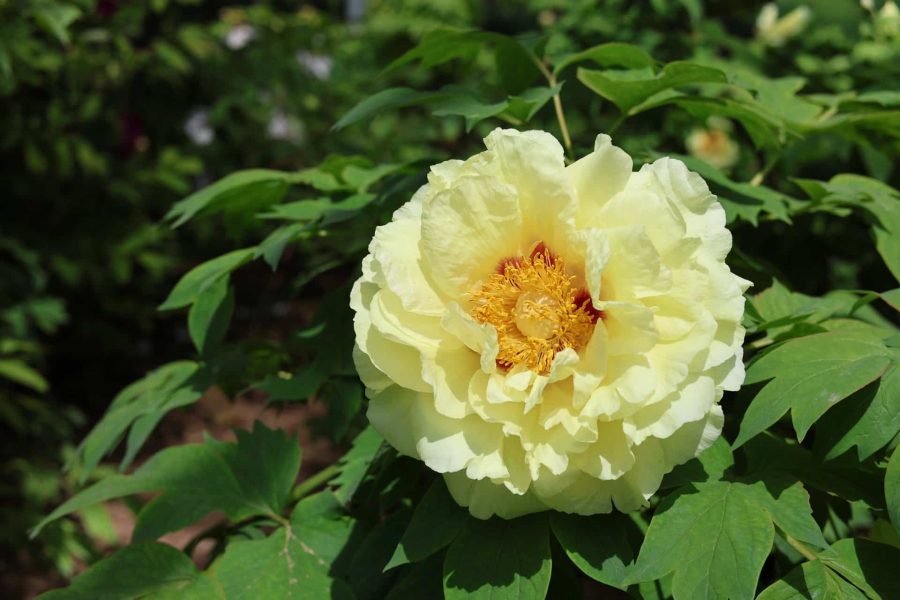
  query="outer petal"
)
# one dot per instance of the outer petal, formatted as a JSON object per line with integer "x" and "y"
{"x": 598, "y": 177}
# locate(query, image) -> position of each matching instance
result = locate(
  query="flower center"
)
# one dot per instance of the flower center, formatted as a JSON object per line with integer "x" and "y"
{"x": 536, "y": 309}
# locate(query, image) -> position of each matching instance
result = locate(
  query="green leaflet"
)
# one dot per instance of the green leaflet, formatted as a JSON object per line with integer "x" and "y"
{"x": 435, "y": 523}
{"x": 715, "y": 536}
{"x": 141, "y": 570}
{"x": 602, "y": 546}
{"x": 248, "y": 478}
{"x": 627, "y": 89}
{"x": 809, "y": 376}
{"x": 499, "y": 559}
{"x": 196, "y": 281}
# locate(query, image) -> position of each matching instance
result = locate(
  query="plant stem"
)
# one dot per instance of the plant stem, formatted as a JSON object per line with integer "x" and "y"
{"x": 557, "y": 103}
{"x": 309, "y": 484}
{"x": 800, "y": 547}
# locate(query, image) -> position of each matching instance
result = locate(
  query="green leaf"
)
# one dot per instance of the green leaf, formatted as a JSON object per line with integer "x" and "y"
{"x": 55, "y": 18}
{"x": 240, "y": 192}
{"x": 787, "y": 502}
{"x": 612, "y": 54}
{"x": 140, "y": 406}
{"x": 325, "y": 529}
{"x": 710, "y": 465}
{"x": 892, "y": 489}
{"x": 282, "y": 565}
{"x": 869, "y": 420}
{"x": 143, "y": 569}
{"x": 810, "y": 375}
{"x": 248, "y": 478}
{"x": 205, "y": 275}
{"x": 870, "y": 566}
{"x": 468, "y": 106}
{"x": 715, "y": 538}
{"x": 627, "y": 89}
{"x": 294, "y": 386}
{"x": 524, "y": 106}
{"x": 435, "y": 523}
{"x": 811, "y": 580}
{"x": 209, "y": 316}
{"x": 355, "y": 464}
{"x": 385, "y": 100}
{"x": 370, "y": 558}
{"x": 19, "y": 372}
{"x": 273, "y": 246}
{"x": 599, "y": 545}
{"x": 499, "y": 559}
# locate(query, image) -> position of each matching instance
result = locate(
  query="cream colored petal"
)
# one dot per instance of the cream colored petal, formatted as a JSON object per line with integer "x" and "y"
{"x": 372, "y": 378}
{"x": 533, "y": 162}
{"x": 449, "y": 373}
{"x": 423, "y": 333}
{"x": 485, "y": 499}
{"x": 598, "y": 176}
{"x": 693, "y": 438}
{"x": 396, "y": 261}
{"x": 610, "y": 456}
{"x": 630, "y": 328}
{"x": 466, "y": 230}
{"x": 634, "y": 269}
{"x": 662, "y": 221}
{"x": 479, "y": 337}
{"x": 691, "y": 403}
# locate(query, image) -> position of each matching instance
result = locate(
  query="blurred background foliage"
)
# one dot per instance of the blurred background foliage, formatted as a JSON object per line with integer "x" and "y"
{"x": 114, "y": 110}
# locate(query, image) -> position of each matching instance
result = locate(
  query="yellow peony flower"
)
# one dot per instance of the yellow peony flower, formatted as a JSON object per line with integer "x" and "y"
{"x": 550, "y": 337}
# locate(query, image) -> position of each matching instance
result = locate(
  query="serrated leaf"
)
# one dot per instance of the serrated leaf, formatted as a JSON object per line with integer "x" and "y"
{"x": 892, "y": 489}
{"x": 210, "y": 315}
{"x": 524, "y": 106}
{"x": 710, "y": 465}
{"x": 715, "y": 538}
{"x": 248, "y": 191}
{"x": 499, "y": 559}
{"x": 435, "y": 523}
{"x": 627, "y": 89}
{"x": 599, "y": 545}
{"x": 141, "y": 570}
{"x": 810, "y": 375}
{"x": 205, "y": 275}
{"x": 140, "y": 406}
{"x": 612, "y": 54}
{"x": 787, "y": 502}
{"x": 251, "y": 477}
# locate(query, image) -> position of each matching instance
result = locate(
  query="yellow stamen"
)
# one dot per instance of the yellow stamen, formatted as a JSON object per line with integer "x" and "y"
{"x": 536, "y": 309}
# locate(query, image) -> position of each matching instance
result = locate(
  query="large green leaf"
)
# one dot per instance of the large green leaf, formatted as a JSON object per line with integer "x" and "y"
{"x": 627, "y": 89}
{"x": 870, "y": 566}
{"x": 141, "y": 570}
{"x": 435, "y": 523}
{"x": 599, "y": 545}
{"x": 810, "y": 375}
{"x": 203, "y": 276}
{"x": 356, "y": 462}
{"x": 715, "y": 538}
{"x": 138, "y": 409}
{"x": 499, "y": 559}
{"x": 384, "y": 100}
{"x": 251, "y": 477}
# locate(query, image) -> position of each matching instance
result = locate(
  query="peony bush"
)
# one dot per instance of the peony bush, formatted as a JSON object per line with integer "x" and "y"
{"x": 550, "y": 336}
{"x": 539, "y": 357}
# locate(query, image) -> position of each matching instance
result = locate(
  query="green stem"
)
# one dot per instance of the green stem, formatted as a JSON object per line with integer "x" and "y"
{"x": 800, "y": 547}
{"x": 310, "y": 483}
{"x": 557, "y": 103}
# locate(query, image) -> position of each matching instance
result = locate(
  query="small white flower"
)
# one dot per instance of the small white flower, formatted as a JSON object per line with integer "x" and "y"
{"x": 198, "y": 128}
{"x": 867, "y": 4}
{"x": 239, "y": 36}
{"x": 317, "y": 65}
{"x": 284, "y": 127}
{"x": 774, "y": 31}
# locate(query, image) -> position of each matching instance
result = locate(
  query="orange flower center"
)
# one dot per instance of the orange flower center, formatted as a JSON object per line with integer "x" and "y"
{"x": 536, "y": 309}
